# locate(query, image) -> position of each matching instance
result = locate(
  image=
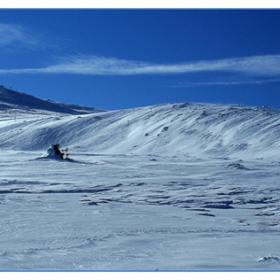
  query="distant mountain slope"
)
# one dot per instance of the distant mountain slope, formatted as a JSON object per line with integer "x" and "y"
{"x": 169, "y": 129}
{"x": 10, "y": 99}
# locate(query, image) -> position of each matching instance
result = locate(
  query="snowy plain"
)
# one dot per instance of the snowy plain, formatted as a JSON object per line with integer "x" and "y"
{"x": 173, "y": 187}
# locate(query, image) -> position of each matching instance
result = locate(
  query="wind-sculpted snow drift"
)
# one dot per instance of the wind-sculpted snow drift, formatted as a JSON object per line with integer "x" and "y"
{"x": 167, "y": 187}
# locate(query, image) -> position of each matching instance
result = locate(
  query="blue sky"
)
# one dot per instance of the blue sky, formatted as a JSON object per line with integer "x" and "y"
{"x": 124, "y": 58}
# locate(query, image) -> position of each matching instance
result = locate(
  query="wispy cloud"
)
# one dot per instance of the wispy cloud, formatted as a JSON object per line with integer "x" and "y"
{"x": 15, "y": 36}
{"x": 226, "y": 82}
{"x": 268, "y": 65}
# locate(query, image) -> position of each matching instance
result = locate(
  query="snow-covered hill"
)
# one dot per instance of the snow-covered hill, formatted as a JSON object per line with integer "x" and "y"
{"x": 169, "y": 129}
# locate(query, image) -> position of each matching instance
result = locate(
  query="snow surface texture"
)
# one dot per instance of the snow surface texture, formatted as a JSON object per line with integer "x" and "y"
{"x": 168, "y": 187}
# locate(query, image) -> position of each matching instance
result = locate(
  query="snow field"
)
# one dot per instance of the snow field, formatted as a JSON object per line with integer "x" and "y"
{"x": 169, "y": 187}
{"x": 143, "y": 213}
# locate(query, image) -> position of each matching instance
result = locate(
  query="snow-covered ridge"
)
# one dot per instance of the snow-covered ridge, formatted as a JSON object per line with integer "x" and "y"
{"x": 18, "y": 101}
{"x": 168, "y": 129}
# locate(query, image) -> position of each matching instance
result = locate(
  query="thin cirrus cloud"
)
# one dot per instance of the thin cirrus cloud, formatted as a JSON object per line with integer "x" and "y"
{"x": 267, "y": 65}
{"x": 227, "y": 82}
{"x": 15, "y": 36}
